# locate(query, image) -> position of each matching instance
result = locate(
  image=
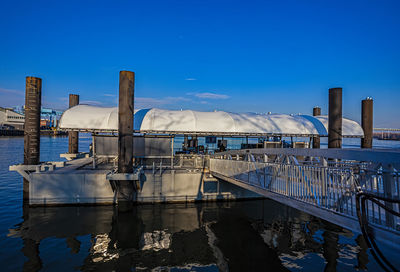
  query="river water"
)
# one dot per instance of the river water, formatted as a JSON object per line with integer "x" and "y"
{"x": 259, "y": 235}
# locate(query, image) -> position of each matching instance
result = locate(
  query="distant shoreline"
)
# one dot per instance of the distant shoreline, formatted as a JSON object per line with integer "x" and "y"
{"x": 20, "y": 133}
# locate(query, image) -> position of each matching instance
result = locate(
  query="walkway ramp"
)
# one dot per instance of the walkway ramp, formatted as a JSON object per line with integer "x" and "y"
{"x": 323, "y": 183}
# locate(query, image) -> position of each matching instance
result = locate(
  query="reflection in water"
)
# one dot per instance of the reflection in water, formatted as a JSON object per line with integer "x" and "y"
{"x": 255, "y": 235}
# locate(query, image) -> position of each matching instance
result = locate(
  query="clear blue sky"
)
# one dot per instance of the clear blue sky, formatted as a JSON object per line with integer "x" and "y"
{"x": 260, "y": 56}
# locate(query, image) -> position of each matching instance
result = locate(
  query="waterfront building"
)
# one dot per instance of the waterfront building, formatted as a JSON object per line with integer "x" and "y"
{"x": 11, "y": 119}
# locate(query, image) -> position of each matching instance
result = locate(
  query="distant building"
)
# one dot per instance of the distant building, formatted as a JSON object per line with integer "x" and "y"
{"x": 11, "y": 119}
{"x": 52, "y": 116}
{"x": 49, "y": 117}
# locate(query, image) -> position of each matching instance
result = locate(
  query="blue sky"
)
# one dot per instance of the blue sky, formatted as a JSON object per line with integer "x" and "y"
{"x": 260, "y": 56}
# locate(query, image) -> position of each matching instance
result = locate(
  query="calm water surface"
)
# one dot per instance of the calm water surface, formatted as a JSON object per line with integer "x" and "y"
{"x": 260, "y": 235}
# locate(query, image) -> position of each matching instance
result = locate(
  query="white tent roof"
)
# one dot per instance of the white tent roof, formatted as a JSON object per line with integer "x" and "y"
{"x": 84, "y": 117}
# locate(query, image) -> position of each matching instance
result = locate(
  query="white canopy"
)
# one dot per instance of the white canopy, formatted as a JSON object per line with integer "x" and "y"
{"x": 91, "y": 118}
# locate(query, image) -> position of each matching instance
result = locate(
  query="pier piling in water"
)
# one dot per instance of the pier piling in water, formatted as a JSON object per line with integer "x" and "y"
{"x": 367, "y": 122}
{"x": 73, "y": 135}
{"x": 125, "y": 188}
{"x": 316, "y": 139}
{"x": 335, "y": 118}
{"x": 33, "y": 101}
{"x": 125, "y": 121}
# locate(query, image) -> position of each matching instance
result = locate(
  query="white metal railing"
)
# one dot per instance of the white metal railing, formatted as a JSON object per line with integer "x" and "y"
{"x": 327, "y": 187}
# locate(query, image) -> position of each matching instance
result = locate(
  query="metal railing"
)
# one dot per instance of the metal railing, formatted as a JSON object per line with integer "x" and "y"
{"x": 327, "y": 187}
{"x": 179, "y": 161}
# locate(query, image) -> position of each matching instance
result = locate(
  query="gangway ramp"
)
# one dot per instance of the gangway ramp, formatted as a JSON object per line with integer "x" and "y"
{"x": 323, "y": 183}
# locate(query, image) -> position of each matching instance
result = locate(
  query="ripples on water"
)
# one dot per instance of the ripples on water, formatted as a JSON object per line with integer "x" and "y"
{"x": 257, "y": 235}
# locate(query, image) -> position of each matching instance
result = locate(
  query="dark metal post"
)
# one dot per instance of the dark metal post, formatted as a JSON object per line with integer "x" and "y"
{"x": 125, "y": 121}
{"x": 316, "y": 139}
{"x": 367, "y": 122}
{"x": 389, "y": 189}
{"x": 73, "y": 135}
{"x": 335, "y": 118}
{"x": 33, "y": 101}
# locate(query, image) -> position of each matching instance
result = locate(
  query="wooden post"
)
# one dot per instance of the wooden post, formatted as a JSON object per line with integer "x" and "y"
{"x": 316, "y": 139}
{"x": 125, "y": 121}
{"x": 335, "y": 118}
{"x": 125, "y": 188}
{"x": 367, "y": 122}
{"x": 73, "y": 135}
{"x": 33, "y": 101}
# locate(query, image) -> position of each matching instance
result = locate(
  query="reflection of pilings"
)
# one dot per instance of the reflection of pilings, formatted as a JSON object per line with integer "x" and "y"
{"x": 362, "y": 255}
{"x": 389, "y": 189}
{"x": 331, "y": 250}
{"x": 73, "y": 135}
{"x": 31, "y": 251}
{"x": 316, "y": 139}
{"x": 335, "y": 118}
{"x": 73, "y": 244}
{"x": 33, "y": 101}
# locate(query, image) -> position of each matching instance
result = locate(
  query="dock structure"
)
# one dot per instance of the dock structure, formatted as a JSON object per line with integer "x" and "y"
{"x": 135, "y": 158}
{"x": 327, "y": 183}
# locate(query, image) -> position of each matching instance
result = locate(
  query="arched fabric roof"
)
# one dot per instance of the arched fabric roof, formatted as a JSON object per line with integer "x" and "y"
{"x": 93, "y": 118}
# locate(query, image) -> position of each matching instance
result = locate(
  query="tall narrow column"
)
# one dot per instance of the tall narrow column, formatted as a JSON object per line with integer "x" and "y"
{"x": 125, "y": 121}
{"x": 316, "y": 139}
{"x": 335, "y": 118}
{"x": 73, "y": 139}
{"x": 33, "y": 101}
{"x": 367, "y": 122}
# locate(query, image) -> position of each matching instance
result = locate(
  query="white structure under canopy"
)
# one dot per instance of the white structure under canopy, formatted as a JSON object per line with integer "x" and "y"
{"x": 93, "y": 118}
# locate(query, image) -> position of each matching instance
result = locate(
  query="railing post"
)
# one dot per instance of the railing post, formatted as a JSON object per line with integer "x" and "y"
{"x": 248, "y": 172}
{"x": 388, "y": 186}
{"x": 265, "y": 167}
{"x": 172, "y": 153}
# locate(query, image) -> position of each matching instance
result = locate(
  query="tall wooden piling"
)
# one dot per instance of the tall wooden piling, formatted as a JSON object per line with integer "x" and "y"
{"x": 335, "y": 118}
{"x": 33, "y": 102}
{"x": 367, "y": 122}
{"x": 73, "y": 139}
{"x": 125, "y": 121}
{"x": 316, "y": 139}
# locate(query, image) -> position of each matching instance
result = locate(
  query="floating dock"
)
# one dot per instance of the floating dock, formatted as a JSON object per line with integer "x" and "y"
{"x": 134, "y": 158}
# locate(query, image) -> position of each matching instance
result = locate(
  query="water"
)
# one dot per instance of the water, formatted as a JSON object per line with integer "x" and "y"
{"x": 237, "y": 236}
